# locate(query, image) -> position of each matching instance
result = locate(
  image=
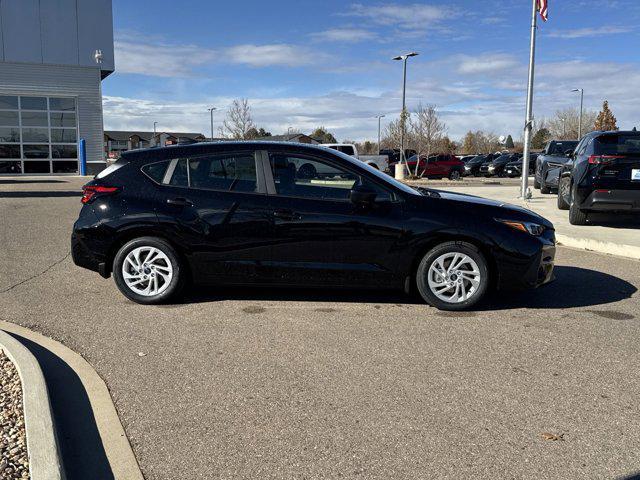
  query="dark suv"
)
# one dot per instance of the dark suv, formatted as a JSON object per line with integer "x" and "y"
{"x": 297, "y": 215}
{"x": 603, "y": 175}
{"x": 550, "y": 163}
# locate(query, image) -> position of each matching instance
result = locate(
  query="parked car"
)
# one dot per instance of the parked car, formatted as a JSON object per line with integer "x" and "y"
{"x": 348, "y": 148}
{"x": 238, "y": 213}
{"x": 435, "y": 166}
{"x": 394, "y": 155}
{"x": 514, "y": 168}
{"x": 550, "y": 162}
{"x": 603, "y": 175}
{"x": 496, "y": 166}
{"x": 473, "y": 166}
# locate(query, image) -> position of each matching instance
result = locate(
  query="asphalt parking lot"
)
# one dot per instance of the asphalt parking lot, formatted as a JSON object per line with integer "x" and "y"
{"x": 319, "y": 384}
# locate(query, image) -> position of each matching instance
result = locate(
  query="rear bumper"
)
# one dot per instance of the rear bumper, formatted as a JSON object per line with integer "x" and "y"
{"x": 83, "y": 257}
{"x": 612, "y": 201}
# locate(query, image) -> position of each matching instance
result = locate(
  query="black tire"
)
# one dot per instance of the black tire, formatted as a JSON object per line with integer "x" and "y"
{"x": 177, "y": 280}
{"x": 452, "y": 247}
{"x": 577, "y": 216}
{"x": 563, "y": 192}
{"x": 536, "y": 184}
{"x": 455, "y": 175}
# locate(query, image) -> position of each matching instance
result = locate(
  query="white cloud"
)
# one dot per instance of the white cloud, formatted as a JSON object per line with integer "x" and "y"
{"x": 488, "y": 63}
{"x": 345, "y": 35}
{"x": 156, "y": 57}
{"x": 273, "y": 55}
{"x": 413, "y": 16}
{"x": 591, "y": 32}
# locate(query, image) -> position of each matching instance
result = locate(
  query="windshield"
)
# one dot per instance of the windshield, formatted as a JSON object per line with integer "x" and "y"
{"x": 558, "y": 148}
{"x": 377, "y": 173}
{"x": 617, "y": 145}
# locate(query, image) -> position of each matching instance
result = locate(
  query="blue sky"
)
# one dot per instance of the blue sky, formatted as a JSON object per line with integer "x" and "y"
{"x": 304, "y": 64}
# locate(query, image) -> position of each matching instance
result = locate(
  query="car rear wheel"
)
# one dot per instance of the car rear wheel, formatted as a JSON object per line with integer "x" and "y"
{"x": 563, "y": 194}
{"x": 577, "y": 216}
{"x": 454, "y": 175}
{"x": 536, "y": 184}
{"x": 544, "y": 189}
{"x": 453, "y": 276}
{"x": 147, "y": 270}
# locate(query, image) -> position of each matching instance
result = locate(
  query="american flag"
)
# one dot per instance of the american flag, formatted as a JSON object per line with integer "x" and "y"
{"x": 542, "y": 8}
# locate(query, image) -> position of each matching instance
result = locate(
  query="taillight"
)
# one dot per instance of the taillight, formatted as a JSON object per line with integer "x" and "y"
{"x": 601, "y": 159}
{"x": 89, "y": 192}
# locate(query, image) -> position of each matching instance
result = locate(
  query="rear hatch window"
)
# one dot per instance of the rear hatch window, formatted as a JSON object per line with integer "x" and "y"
{"x": 628, "y": 145}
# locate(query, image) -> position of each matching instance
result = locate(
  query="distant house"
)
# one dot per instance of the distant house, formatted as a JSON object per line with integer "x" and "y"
{"x": 291, "y": 137}
{"x": 118, "y": 141}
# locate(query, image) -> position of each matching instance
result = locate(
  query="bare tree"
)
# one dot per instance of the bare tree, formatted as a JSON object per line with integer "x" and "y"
{"x": 480, "y": 142}
{"x": 239, "y": 122}
{"x": 427, "y": 131}
{"x": 564, "y": 124}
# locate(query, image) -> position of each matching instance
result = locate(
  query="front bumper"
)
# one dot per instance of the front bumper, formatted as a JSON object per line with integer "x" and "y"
{"x": 518, "y": 272}
{"x": 612, "y": 201}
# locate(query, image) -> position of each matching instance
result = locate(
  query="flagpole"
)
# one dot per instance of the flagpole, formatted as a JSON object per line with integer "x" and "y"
{"x": 528, "y": 124}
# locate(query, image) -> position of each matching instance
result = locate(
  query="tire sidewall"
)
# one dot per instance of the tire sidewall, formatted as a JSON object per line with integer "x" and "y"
{"x": 176, "y": 282}
{"x": 451, "y": 247}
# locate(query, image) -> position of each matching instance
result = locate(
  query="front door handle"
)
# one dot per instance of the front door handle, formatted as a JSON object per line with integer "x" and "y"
{"x": 180, "y": 202}
{"x": 286, "y": 215}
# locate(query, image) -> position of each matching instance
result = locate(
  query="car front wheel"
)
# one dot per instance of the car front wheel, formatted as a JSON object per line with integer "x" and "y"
{"x": 454, "y": 175}
{"x": 147, "y": 270}
{"x": 563, "y": 194}
{"x": 453, "y": 276}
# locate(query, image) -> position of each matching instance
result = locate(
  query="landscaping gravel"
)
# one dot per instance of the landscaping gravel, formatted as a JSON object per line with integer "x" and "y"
{"x": 14, "y": 462}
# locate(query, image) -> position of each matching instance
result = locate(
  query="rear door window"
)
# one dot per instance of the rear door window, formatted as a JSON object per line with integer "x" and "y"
{"x": 617, "y": 145}
{"x": 230, "y": 172}
{"x": 156, "y": 171}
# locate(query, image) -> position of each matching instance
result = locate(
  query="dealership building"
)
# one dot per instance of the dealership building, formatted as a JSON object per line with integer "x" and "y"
{"x": 53, "y": 56}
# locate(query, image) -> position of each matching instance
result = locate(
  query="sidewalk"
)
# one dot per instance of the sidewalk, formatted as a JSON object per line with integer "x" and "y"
{"x": 615, "y": 235}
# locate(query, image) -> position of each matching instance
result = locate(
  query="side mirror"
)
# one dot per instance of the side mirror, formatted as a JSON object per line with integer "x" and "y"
{"x": 568, "y": 153}
{"x": 362, "y": 195}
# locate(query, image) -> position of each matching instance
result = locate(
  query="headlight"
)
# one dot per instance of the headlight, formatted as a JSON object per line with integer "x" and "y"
{"x": 528, "y": 227}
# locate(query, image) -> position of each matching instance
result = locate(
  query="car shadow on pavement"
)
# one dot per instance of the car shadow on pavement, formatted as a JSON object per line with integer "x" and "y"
{"x": 574, "y": 287}
{"x": 41, "y": 194}
{"x": 81, "y": 448}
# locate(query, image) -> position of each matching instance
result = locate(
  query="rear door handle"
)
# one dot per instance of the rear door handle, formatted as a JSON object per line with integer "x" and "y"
{"x": 286, "y": 215}
{"x": 180, "y": 202}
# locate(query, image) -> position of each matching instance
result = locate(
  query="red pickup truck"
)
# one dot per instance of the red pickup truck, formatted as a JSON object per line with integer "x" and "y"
{"x": 434, "y": 166}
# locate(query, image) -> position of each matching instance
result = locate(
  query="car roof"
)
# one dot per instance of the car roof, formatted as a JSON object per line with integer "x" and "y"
{"x": 173, "y": 151}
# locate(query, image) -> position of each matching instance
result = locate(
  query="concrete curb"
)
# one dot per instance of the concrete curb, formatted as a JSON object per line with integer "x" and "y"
{"x": 610, "y": 248}
{"x": 42, "y": 445}
{"x": 122, "y": 461}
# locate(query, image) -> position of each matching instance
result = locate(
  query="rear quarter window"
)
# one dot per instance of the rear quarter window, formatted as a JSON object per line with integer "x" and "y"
{"x": 156, "y": 171}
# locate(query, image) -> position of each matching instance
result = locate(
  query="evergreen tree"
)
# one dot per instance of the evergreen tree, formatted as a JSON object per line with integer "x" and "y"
{"x": 606, "y": 121}
{"x": 509, "y": 143}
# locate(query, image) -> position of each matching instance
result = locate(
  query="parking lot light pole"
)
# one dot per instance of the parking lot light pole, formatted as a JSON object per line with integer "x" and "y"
{"x": 211, "y": 110}
{"x": 379, "y": 117}
{"x": 581, "y": 90}
{"x": 528, "y": 124}
{"x": 399, "y": 173}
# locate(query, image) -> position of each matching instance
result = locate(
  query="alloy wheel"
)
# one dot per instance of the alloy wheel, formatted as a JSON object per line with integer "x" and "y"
{"x": 147, "y": 271}
{"x": 454, "y": 277}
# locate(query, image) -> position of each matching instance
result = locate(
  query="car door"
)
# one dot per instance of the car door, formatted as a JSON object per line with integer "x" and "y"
{"x": 214, "y": 206}
{"x": 321, "y": 237}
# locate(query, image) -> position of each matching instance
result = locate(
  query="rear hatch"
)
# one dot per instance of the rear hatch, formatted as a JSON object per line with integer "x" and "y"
{"x": 616, "y": 161}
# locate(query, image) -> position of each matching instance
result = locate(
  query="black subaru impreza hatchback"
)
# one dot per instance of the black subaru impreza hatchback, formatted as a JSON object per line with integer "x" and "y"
{"x": 297, "y": 215}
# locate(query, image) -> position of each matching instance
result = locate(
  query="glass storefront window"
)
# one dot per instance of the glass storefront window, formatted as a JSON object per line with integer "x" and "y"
{"x": 66, "y": 119}
{"x": 35, "y": 135}
{"x": 9, "y": 151}
{"x": 8, "y": 102}
{"x": 10, "y": 167}
{"x": 63, "y": 135}
{"x": 64, "y": 151}
{"x": 33, "y": 103}
{"x": 66, "y": 104}
{"x": 65, "y": 166}
{"x": 35, "y": 151}
{"x": 10, "y": 134}
{"x": 9, "y": 119}
{"x": 34, "y": 119}
{"x": 36, "y": 167}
